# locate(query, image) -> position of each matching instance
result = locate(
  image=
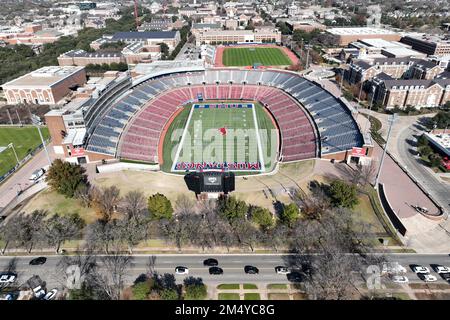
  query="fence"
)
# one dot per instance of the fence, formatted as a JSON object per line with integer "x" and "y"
{"x": 21, "y": 162}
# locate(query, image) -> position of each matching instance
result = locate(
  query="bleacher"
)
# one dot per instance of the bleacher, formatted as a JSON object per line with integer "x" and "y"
{"x": 146, "y": 110}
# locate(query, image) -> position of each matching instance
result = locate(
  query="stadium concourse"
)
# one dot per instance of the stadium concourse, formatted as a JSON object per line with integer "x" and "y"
{"x": 312, "y": 122}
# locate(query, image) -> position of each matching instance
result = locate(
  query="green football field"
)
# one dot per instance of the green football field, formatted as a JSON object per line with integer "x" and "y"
{"x": 24, "y": 139}
{"x": 220, "y": 135}
{"x": 250, "y": 56}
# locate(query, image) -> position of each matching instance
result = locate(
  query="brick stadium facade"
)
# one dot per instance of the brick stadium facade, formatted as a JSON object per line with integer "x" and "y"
{"x": 47, "y": 85}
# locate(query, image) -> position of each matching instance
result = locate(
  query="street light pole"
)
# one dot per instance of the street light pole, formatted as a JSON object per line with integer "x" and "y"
{"x": 391, "y": 122}
{"x": 11, "y": 145}
{"x": 370, "y": 108}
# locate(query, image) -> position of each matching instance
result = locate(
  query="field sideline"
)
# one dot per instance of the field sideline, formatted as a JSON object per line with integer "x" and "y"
{"x": 216, "y": 119}
{"x": 248, "y": 56}
{"x": 24, "y": 139}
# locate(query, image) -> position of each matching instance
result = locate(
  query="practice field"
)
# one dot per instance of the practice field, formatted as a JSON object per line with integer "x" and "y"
{"x": 250, "y": 56}
{"x": 24, "y": 139}
{"x": 236, "y": 136}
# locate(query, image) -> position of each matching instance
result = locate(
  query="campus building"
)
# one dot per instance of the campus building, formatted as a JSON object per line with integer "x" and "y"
{"x": 82, "y": 58}
{"x": 47, "y": 85}
{"x": 431, "y": 45}
{"x": 148, "y": 38}
{"x": 344, "y": 36}
{"x": 238, "y": 36}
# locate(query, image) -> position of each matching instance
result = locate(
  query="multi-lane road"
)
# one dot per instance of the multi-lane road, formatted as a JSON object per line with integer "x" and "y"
{"x": 232, "y": 264}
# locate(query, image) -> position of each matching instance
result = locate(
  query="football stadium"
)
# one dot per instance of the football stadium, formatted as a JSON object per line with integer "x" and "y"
{"x": 186, "y": 117}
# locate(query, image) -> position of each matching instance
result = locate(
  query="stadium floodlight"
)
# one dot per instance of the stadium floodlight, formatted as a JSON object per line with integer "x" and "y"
{"x": 11, "y": 145}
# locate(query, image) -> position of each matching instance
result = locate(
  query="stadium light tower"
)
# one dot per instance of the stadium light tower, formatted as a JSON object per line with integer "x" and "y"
{"x": 392, "y": 119}
{"x": 36, "y": 122}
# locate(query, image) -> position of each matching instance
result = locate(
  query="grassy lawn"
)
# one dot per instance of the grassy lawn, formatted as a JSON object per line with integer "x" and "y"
{"x": 228, "y": 286}
{"x": 250, "y": 56}
{"x": 24, "y": 139}
{"x": 278, "y": 296}
{"x": 229, "y": 296}
{"x": 250, "y": 286}
{"x": 252, "y": 296}
{"x": 277, "y": 286}
{"x": 57, "y": 203}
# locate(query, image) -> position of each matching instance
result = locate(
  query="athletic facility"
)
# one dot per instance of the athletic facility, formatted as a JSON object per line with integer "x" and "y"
{"x": 266, "y": 55}
{"x": 190, "y": 118}
{"x": 223, "y": 136}
{"x": 249, "y": 56}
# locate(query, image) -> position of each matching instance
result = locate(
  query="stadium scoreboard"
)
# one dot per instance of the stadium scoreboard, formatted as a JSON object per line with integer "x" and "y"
{"x": 210, "y": 182}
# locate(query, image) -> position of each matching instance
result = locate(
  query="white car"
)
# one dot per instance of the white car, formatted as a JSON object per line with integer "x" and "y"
{"x": 39, "y": 292}
{"x": 421, "y": 269}
{"x": 399, "y": 279}
{"x": 181, "y": 270}
{"x": 393, "y": 267}
{"x": 429, "y": 278}
{"x": 51, "y": 294}
{"x": 442, "y": 269}
{"x": 37, "y": 174}
{"x": 282, "y": 270}
{"x": 7, "y": 278}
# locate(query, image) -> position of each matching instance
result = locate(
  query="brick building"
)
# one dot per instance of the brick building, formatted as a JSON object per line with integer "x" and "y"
{"x": 47, "y": 85}
{"x": 344, "y": 36}
{"x": 431, "y": 45}
{"x": 147, "y": 38}
{"x": 238, "y": 36}
{"x": 83, "y": 58}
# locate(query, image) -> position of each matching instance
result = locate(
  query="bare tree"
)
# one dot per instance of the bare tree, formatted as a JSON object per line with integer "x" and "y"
{"x": 184, "y": 204}
{"x": 58, "y": 229}
{"x": 133, "y": 204}
{"x": 106, "y": 201}
{"x": 103, "y": 235}
{"x": 177, "y": 230}
{"x": 109, "y": 278}
{"x": 84, "y": 194}
{"x": 132, "y": 231}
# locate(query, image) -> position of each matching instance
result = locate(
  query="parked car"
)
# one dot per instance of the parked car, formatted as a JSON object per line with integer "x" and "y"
{"x": 281, "y": 270}
{"x": 51, "y": 294}
{"x": 215, "y": 270}
{"x": 181, "y": 270}
{"x": 37, "y": 174}
{"x": 445, "y": 276}
{"x": 38, "y": 261}
{"x": 251, "y": 270}
{"x": 39, "y": 292}
{"x": 421, "y": 269}
{"x": 8, "y": 277}
{"x": 442, "y": 269}
{"x": 428, "y": 277}
{"x": 210, "y": 262}
{"x": 399, "y": 279}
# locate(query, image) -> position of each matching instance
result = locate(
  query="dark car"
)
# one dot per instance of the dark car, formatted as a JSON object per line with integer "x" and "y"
{"x": 445, "y": 276}
{"x": 215, "y": 270}
{"x": 38, "y": 261}
{"x": 294, "y": 276}
{"x": 251, "y": 270}
{"x": 210, "y": 262}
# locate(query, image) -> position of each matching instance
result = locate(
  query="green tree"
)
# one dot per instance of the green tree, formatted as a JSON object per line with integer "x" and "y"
{"x": 441, "y": 120}
{"x": 141, "y": 290}
{"x": 422, "y": 141}
{"x": 343, "y": 194}
{"x": 289, "y": 214}
{"x": 160, "y": 207}
{"x": 169, "y": 294}
{"x": 231, "y": 208}
{"x": 195, "y": 291}
{"x": 435, "y": 160}
{"x": 65, "y": 177}
{"x": 262, "y": 216}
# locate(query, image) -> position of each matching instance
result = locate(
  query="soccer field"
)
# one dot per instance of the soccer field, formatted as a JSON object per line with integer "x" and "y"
{"x": 250, "y": 56}
{"x": 235, "y": 135}
{"x": 24, "y": 139}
